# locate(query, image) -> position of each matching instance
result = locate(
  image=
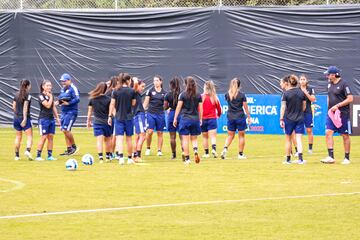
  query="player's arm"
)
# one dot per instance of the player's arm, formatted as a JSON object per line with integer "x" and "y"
{"x": 14, "y": 106}
{"x": 200, "y": 112}
{"x": 56, "y": 114}
{"x": 89, "y": 113}
{"x": 304, "y": 106}
{"x": 177, "y": 112}
{"x": 25, "y": 110}
{"x": 146, "y": 102}
{"x": 246, "y": 108}
{"x": 349, "y": 99}
{"x": 48, "y": 104}
{"x": 282, "y": 113}
{"x": 218, "y": 107}
{"x": 311, "y": 97}
{"x": 111, "y": 110}
{"x": 75, "y": 97}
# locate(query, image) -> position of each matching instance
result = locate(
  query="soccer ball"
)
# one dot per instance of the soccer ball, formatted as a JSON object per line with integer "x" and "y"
{"x": 71, "y": 165}
{"x": 87, "y": 159}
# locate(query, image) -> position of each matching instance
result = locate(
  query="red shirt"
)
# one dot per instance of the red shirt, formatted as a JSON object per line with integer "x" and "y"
{"x": 210, "y": 110}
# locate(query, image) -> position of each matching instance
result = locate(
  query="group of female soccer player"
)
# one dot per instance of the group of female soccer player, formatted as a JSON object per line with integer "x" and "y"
{"x": 118, "y": 108}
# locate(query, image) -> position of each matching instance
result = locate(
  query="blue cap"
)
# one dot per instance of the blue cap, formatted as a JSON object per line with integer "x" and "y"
{"x": 65, "y": 77}
{"x": 332, "y": 70}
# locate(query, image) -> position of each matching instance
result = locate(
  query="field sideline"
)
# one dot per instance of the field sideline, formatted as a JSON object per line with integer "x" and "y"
{"x": 257, "y": 198}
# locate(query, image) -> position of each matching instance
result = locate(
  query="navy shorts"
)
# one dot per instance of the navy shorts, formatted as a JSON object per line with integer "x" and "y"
{"x": 102, "y": 130}
{"x": 208, "y": 124}
{"x": 237, "y": 124}
{"x": 308, "y": 120}
{"x": 170, "y": 122}
{"x": 122, "y": 127}
{"x": 297, "y": 126}
{"x": 46, "y": 126}
{"x": 189, "y": 127}
{"x": 18, "y": 127}
{"x": 345, "y": 127}
{"x": 67, "y": 120}
{"x": 140, "y": 123}
{"x": 155, "y": 121}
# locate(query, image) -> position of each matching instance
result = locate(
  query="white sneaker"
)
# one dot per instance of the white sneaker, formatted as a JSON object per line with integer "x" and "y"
{"x": 159, "y": 153}
{"x": 101, "y": 161}
{"x": 39, "y": 159}
{"x": 241, "y": 157}
{"x": 205, "y": 156}
{"x": 187, "y": 162}
{"x": 17, "y": 158}
{"x": 345, "y": 161}
{"x": 223, "y": 154}
{"x": 310, "y": 151}
{"x": 130, "y": 161}
{"x": 287, "y": 162}
{"x": 214, "y": 153}
{"x": 300, "y": 162}
{"x": 328, "y": 160}
{"x": 28, "y": 155}
{"x": 121, "y": 161}
{"x": 147, "y": 152}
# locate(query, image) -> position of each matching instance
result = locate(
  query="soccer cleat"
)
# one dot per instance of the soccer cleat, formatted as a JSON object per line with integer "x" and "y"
{"x": 183, "y": 156}
{"x": 147, "y": 152}
{"x": 223, "y": 154}
{"x": 28, "y": 155}
{"x": 39, "y": 159}
{"x": 101, "y": 161}
{"x": 214, "y": 153}
{"x": 159, "y": 153}
{"x": 137, "y": 160}
{"x": 187, "y": 162}
{"x": 300, "y": 162}
{"x": 345, "y": 161}
{"x": 197, "y": 157}
{"x": 205, "y": 156}
{"x": 287, "y": 162}
{"x": 51, "y": 158}
{"x": 66, "y": 153}
{"x": 121, "y": 161}
{"x": 310, "y": 151}
{"x": 130, "y": 161}
{"x": 241, "y": 157}
{"x": 17, "y": 158}
{"x": 328, "y": 160}
{"x": 73, "y": 151}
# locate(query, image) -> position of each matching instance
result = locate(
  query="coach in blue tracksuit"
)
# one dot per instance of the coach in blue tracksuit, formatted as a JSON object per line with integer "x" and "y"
{"x": 68, "y": 100}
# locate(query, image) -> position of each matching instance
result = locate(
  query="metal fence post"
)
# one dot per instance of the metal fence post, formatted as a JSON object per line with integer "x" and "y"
{"x": 220, "y": 3}
{"x": 21, "y": 4}
{"x": 116, "y": 4}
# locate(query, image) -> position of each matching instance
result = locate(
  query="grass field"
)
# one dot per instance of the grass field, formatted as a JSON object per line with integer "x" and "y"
{"x": 265, "y": 188}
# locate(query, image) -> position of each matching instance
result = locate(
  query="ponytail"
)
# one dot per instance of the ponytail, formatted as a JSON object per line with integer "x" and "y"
{"x": 24, "y": 84}
{"x": 234, "y": 88}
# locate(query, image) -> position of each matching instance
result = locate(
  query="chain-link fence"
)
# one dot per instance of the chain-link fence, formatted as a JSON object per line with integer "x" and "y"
{"x": 122, "y": 4}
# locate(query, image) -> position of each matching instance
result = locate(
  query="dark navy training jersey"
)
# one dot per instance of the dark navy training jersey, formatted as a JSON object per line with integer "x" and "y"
{"x": 100, "y": 107}
{"x": 123, "y": 98}
{"x": 20, "y": 105}
{"x": 310, "y": 91}
{"x": 235, "y": 106}
{"x": 294, "y": 99}
{"x": 338, "y": 93}
{"x": 156, "y": 101}
{"x": 190, "y": 106}
{"x": 72, "y": 95}
{"x": 169, "y": 97}
{"x": 139, "y": 104}
{"x": 45, "y": 113}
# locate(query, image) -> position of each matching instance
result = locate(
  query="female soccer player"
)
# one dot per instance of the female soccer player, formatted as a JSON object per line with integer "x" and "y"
{"x": 46, "y": 120}
{"x": 236, "y": 117}
{"x": 285, "y": 85}
{"x": 22, "y": 120}
{"x": 99, "y": 105}
{"x": 170, "y": 102}
{"x": 308, "y": 114}
{"x": 122, "y": 102}
{"x": 190, "y": 105}
{"x": 293, "y": 104}
{"x": 212, "y": 110}
{"x": 139, "y": 119}
{"x": 113, "y": 84}
{"x": 155, "y": 115}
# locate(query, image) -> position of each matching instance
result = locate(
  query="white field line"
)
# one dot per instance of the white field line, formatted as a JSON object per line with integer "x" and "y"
{"x": 18, "y": 185}
{"x": 175, "y": 205}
